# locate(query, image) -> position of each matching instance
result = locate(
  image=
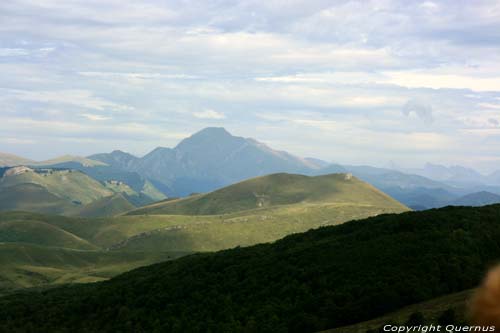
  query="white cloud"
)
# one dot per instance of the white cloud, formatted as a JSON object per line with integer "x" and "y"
{"x": 429, "y": 79}
{"x": 77, "y": 97}
{"x": 347, "y": 67}
{"x": 94, "y": 117}
{"x": 209, "y": 114}
{"x": 490, "y": 106}
{"x": 144, "y": 76}
{"x": 17, "y": 141}
{"x": 419, "y": 108}
{"x": 7, "y": 52}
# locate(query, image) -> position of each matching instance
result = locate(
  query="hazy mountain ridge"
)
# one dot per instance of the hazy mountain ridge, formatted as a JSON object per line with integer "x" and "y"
{"x": 477, "y": 199}
{"x": 213, "y": 158}
{"x": 7, "y": 160}
{"x": 456, "y": 175}
{"x": 209, "y": 159}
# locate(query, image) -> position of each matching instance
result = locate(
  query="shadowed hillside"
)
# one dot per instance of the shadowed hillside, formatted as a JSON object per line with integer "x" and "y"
{"x": 324, "y": 278}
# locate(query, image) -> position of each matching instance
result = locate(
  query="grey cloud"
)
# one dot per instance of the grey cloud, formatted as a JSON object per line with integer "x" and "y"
{"x": 420, "y": 109}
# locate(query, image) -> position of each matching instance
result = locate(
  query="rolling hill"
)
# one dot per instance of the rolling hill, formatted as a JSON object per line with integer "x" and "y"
{"x": 477, "y": 199}
{"x": 72, "y": 186}
{"x": 107, "y": 206}
{"x": 33, "y": 198}
{"x": 7, "y": 160}
{"x": 292, "y": 204}
{"x": 43, "y": 250}
{"x": 276, "y": 190}
{"x": 27, "y": 265}
{"x": 258, "y": 210}
{"x": 325, "y": 278}
{"x": 69, "y": 192}
{"x": 145, "y": 191}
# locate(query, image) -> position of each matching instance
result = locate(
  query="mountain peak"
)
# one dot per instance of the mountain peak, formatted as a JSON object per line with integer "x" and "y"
{"x": 212, "y": 132}
{"x": 207, "y": 137}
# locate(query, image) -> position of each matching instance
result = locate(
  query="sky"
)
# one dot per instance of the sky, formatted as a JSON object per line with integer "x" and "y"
{"x": 353, "y": 82}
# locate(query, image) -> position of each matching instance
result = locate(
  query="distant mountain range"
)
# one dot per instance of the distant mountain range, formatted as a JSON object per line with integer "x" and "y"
{"x": 209, "y": 159}
{"x": 213, "y": 158}
{"x": 457, "y": 175}
{"x": 477, "y": 199}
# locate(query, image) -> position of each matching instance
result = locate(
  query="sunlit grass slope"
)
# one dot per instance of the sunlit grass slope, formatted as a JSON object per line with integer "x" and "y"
{"x": 70, "y": 185}
{"x": 276, "y": 190}
{"x": 29, "y": 265}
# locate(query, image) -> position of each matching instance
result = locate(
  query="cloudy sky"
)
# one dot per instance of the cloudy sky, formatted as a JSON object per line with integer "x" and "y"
{"x": 363, "y": 82}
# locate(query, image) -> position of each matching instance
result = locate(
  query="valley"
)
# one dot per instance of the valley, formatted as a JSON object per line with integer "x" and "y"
{"x": 333, "y": 242}
{"x": 325, "y": 278}
{"x": 230, "y": 217}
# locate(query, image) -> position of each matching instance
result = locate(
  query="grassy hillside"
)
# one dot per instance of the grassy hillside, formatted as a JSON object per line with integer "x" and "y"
{"x": 276, "y": 190}
{"x": 40, "y": 233}
{"x": 29, "y": 265}
{"x": 324, "y": 278}
{"x": 40, "y": 250}
{"x": 107, "y": 206}
{"x": 184, "y": 233}
{"x": 35, "y": 198}
{"x": 216, "y": 232}
{"x": 68, "y": 192}
{"x": 294, "y": 204}
{"x": 69, "y": 185}
{"x": 12, "y": 160}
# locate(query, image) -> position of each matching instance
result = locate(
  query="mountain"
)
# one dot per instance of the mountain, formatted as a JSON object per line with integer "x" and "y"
{"x": 209, "y": 159}
{"x": 416, "y": 192}
{"x": 68, "y": 159}
{"x": 477, "y": 199}
{"x": 494, "y": 178}
{"x": 62, "y": 191}
{"x": 453, "y": 175}
{"x": 117, "y": 159}
{"x": 277, "y": 190}
{"x": 105, "y": 172}
{"x": 317, "y": 163}
{"x": 7, "y": 160}
{"x": 308, "y": 282}
{"x": 213, "y": 158}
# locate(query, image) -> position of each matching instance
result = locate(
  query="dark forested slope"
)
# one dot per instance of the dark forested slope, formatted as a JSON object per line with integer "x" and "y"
{"x": 307, "y": 282}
